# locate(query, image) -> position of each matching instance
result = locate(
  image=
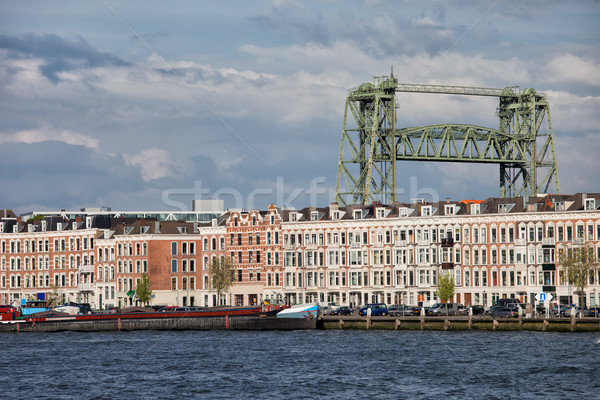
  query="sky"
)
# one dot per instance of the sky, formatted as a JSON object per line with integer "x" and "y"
{"x": 146, "y": 105}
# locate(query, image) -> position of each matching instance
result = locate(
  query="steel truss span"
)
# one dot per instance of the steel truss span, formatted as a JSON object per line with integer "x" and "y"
{"x": 371, "y": 143}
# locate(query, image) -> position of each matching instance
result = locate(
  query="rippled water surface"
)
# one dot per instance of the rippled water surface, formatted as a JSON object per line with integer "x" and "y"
{"x": 300, "y": 364}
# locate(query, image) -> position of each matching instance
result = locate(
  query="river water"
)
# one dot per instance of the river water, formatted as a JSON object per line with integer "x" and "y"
{"x": 300, "y": 365}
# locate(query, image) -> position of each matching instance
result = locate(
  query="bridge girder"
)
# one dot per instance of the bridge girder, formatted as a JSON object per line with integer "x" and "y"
{"x": 520, "y": 146}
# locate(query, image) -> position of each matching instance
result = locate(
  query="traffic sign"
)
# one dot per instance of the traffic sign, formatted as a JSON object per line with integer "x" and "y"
{"x": 544, "y": 297}
{"x": 540, "y": 296}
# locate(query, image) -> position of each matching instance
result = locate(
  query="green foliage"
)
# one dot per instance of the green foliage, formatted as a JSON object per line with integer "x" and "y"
{"x": 578, "y": 263}
{"x": 56, "y": 298}
{"x": 36, "y": 218}
{"x": 143, "y": 291}
{"x": 222, "y": 274}
{"x": 446, "y": 286}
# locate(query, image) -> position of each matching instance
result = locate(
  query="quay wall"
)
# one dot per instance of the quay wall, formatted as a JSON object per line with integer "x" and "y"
{"x": 462, "y": 323}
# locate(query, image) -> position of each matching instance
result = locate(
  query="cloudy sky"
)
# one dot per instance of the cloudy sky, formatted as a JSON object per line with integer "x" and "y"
{"x": 144, "y": 105}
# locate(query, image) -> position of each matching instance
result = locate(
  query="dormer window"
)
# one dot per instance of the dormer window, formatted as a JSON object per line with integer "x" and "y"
{"x": 380, "y": 213}
{"x": 504, "y": 208}
{"x": 335, "y": 215}
{"x": 403, "y": 212}
{"x": 59, "y": 226}
{"x": 88, "y": 222}
{"x": 590, "y": 204}
{"x": 475, "y": 208}
{"x": 293, "y": 217}
{"x": 314, "y": 215}
{"x": 425, "y": 211}
{"x": 357, "y": 214}
{"x": 559, "y": 206}
{"x": 449, "y": 209}
{"x": 15, "y": 228}
{"x": 43, "y": 226}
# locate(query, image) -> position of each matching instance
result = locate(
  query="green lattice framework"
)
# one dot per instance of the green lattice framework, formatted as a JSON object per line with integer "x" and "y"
{"x": 371, "y": 143}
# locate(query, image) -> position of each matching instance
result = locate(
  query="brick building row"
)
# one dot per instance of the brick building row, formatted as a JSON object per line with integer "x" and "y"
{"x": 345, "y": 255}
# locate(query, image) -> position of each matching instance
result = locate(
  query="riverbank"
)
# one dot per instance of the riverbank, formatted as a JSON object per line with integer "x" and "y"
{"x": 462, "y": 323}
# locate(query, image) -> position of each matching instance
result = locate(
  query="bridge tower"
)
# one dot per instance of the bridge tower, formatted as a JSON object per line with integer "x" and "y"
{"x": 371, "y": 143}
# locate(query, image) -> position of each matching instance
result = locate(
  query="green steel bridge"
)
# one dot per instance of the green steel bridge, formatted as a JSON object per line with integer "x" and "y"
{"x": 371, "y": 143}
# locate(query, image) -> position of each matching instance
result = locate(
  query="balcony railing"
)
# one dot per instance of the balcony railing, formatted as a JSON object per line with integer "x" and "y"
{"x": 400, "y": 243}
{"x": 447, "y": 265}
{"x": 548, "y": 242}
{"x": 355, "y": 245}
{"x": 447, "y": 242}
{"x": 86, "y": 269}
{"x": 85, "y": 287}
{"x": 520, "y": 242}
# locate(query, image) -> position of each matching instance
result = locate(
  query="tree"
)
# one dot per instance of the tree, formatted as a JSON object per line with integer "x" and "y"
{"x": 222, "y": 274}
{"x": 56, "y": 299}
{"x": 445, "y": 288}
{"x": 578, "y": 263}
{"x": 142, "y": 290}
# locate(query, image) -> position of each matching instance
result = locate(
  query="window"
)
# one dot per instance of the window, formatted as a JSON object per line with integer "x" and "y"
{"x": 590, "y": 204}
{"x": 173, "y": 248}
{"x": 173, "y": 266}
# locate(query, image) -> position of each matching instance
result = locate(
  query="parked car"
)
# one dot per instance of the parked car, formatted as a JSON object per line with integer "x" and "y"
{"x": 504, "y": 312}
{"x": 505, "y": 302}
{"x": 540, "y": 309}
{"x": 578, "y": 312}
{"x": 594, "y": 311}
{"x": 492, "y": 309}
{"x": 417, "y": 310}
{"x": 558, "y": 310}
{"x": 343, "y": 310}
{"x": 444, "y": 309}
{"x": 376, "y": 309}
{"x": 477, "y": 309}
{"x": 7, "y": 308}
{"x": 400, "y": 310}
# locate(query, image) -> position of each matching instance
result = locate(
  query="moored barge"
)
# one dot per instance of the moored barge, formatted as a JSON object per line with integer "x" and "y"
{"x": 242, "y": 318}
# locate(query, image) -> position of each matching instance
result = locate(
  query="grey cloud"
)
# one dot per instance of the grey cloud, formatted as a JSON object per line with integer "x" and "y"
{"x": 59, "y": 174}
{"x": 59, "y": 54}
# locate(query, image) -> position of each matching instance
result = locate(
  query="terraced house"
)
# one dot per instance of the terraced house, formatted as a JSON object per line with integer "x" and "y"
{"x": 350, "y": 255}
